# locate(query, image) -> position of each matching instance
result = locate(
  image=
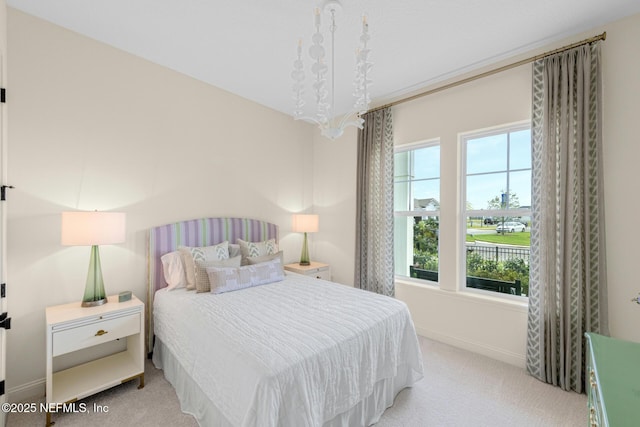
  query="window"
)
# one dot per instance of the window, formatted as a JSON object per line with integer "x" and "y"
{"x": 497, "y": 209}
{"x": 417, "y": 210}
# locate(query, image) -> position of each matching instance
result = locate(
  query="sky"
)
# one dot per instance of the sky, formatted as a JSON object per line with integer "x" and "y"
{"x": 488, "y": 159}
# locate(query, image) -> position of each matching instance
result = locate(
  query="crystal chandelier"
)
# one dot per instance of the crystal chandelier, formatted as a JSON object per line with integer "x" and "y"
{"x": 331, "y": 126}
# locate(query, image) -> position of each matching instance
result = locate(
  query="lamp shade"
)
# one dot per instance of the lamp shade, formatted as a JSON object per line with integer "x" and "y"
{"x": 93, "y": 228}
{"x": 304, "y": 223}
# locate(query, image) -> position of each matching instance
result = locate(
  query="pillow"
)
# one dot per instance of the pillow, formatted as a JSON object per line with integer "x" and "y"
{"x": 234, "y": 250}
{"x": 234, "y": 279}
{"x": 264, "y": 258}
{"x": 173, "y": 270}
{"x": 254, "y": 249}
{"x": 202, "y": 278}
{"x": 191, "y": 254}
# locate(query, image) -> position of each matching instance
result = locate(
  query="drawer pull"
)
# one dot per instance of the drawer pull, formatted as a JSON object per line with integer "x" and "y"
{"x": 101, "y": 332}
{"x": 592, "y": 379}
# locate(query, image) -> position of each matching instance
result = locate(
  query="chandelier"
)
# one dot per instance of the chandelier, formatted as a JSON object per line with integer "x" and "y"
{"x": 331, "y": 126}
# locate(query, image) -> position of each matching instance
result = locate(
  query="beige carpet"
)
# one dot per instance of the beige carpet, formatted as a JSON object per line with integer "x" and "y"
{"x": 459, "y": 389}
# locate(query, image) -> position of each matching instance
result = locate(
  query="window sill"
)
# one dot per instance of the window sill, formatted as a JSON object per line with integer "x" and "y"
{"x": 510, "y": 301}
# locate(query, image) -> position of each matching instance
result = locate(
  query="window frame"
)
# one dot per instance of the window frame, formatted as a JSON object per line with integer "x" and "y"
{"x": 432, "y": 142}
{"x": 464, "y": 214}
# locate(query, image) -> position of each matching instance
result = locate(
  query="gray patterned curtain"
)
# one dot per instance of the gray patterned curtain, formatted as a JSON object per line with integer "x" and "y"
{"x": 374, "y": 210}
{"x": 568, "y": 281}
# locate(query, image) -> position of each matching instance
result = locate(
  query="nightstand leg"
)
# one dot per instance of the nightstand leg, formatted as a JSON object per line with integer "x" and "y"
{"x": 141, "y": 381}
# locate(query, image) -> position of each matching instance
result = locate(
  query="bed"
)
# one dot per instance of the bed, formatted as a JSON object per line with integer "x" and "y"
{"x": 295, "y": 351}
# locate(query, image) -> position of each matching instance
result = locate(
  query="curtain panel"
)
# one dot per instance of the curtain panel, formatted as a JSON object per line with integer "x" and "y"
{"x": 568, "y": 282}
{"x": 374, "y": 210}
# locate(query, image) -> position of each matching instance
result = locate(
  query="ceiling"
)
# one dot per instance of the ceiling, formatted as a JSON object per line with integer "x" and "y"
{"x": 247, "y": 47}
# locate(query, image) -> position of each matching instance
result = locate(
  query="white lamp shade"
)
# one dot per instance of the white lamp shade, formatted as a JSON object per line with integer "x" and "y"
{"x": 93, "y": 228}
{"x": 304, "y": 223}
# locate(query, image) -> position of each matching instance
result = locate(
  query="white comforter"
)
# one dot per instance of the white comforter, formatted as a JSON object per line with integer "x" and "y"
{"x": 292, "y": 353}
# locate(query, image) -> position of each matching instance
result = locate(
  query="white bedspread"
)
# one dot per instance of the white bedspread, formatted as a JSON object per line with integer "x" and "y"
{"x": 293, "y": 353}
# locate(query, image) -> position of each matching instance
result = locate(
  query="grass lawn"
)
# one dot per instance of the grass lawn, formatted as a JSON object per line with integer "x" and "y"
{"x": 519, "y": 239}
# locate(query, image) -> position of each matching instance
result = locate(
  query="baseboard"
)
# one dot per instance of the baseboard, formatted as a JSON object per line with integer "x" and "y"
{"x": 480, "y": 348}
{"x": 28, "y": 392}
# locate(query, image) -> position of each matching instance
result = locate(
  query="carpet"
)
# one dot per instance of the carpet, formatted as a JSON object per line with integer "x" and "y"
{"x": 459, "y": 388}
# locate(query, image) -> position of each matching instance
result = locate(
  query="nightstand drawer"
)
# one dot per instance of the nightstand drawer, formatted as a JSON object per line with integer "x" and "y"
{"x": 314, "y": 269}
{"x": 95, "y": 333}
{"x": 324, "y": 274}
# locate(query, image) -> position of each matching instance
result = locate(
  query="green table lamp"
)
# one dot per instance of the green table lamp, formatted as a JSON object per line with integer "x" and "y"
{"x": 93, "y": 229}
{"x": 305, "y": 223}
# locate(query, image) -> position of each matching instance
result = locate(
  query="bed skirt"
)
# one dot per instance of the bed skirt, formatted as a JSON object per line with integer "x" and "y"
{"x": 193, "y": 401}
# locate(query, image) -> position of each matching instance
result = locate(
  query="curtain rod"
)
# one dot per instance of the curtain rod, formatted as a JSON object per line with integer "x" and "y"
{"x": 602, "y": 36}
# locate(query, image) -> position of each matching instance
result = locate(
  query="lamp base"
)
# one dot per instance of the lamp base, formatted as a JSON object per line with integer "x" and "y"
{"x": 94, "y": 293}
{"x": 304, "y": 256}
{"x": 94, "y": 303}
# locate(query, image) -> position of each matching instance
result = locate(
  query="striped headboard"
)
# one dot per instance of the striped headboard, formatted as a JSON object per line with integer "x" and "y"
{"x": 196, "y": 232}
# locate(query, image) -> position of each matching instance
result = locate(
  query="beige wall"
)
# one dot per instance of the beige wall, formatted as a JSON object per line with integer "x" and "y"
{"x": 95, "y": 128}
{"x": 621, "y": 90}
{"x": 334, "y": 198}
{"x": 485, "y": 324}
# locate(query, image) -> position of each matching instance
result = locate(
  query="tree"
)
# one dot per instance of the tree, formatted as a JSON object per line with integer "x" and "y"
{"x": 425, "y": 243}
{"x": 496, "y": 202}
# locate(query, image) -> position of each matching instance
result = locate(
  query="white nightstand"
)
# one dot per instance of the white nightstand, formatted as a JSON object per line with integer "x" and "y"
{"x": 75, "y": 329}
{"x": 316, "y": 269}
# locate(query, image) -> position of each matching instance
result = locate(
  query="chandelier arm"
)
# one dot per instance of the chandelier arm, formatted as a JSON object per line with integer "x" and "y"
{"x": 309, "y": 120}
{"x": 348, "y": 116}
{"x": 355, "y": 123}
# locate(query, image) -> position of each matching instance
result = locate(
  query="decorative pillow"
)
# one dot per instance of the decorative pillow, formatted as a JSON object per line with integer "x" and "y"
{"x": 202, "y": 277}
{"x": 265, "y": 258}
{"x": 173, "y": 270}
{"x": 254, "y": 249}
{"x": 234, "y": 279}
{"x": 191, "y": 254}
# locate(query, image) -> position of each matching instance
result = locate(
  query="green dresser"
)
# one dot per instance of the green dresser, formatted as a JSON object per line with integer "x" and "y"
{"x": 613, "y": 381}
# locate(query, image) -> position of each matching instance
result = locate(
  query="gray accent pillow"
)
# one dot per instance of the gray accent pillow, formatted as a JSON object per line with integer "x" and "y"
{"x": 202, "y": 277}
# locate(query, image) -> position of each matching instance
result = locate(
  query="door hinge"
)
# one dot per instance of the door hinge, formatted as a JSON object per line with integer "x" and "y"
{"x": 5, "y": 322}
{"x": 3, "y": 192}
{"x": 3, "y": 290}
{"x": 3, "y": 95}
{"x": 2, "y": 388}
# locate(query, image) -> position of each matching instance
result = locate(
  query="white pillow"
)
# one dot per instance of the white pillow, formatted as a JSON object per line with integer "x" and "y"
{"x": 234, "y": 279}
{"x": 192, "y": 254}
{"x": 202, "y": 277}
{"x": 173, "y": 270}
{"x": 255, "y": 249}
